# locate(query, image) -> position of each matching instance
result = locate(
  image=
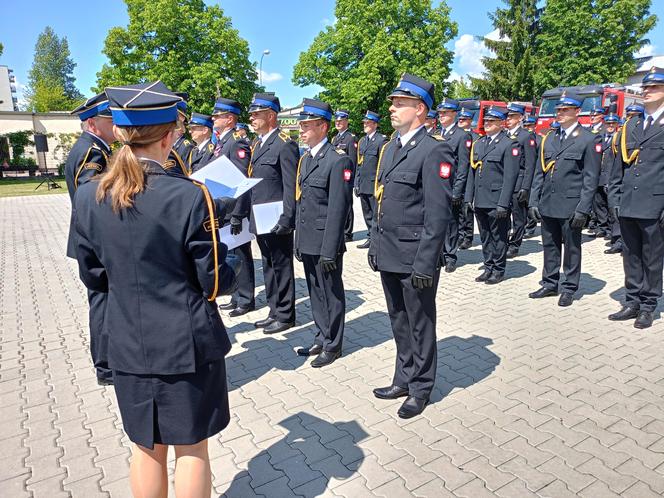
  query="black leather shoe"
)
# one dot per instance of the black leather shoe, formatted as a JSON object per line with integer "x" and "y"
{"x": 626, "y": 313}
{"x": 228, "y": 306}
{"x": 495, "y": 278}
{"x": 613, "y": 250}
{"x": 104, "y": 381}
{"x": 566, "y": 299}
{"x": 451, "y": 267}
{"x": 484, "y": 276}
{"x": 390, "y": 392}
{"x": 512, "y": 252}
{"x": 310, "y": 351}
{"x": 365, "y": 244}
{"x": 348, "y": 238}
{"x": 325, "y": 358}
{"x": 264, "y": 323}
{"x": 412, "y": 406}
{"x": 466, "y": 244}
{"x": 644, "y": 320}
{"x": 276, "y": 327}
{"x": 241, "y": 310}
{"x": 542, "y": 292}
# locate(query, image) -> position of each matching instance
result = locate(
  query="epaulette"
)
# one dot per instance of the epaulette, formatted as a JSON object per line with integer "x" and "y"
{"x": 340, "y": 152}
{"x": 437, "y": 137}
{"x": 594, "y": 131}
{"x": 237, "y": 136}
{"x": 210, "y": 147}
{"x": 384, "y": 136}
{"x": 186, "y": 142}
{"x": 514, "y": 136}
{"x": 284, "y": 136}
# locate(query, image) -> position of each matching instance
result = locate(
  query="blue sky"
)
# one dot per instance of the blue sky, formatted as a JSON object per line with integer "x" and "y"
{"x": 285, "y": 31}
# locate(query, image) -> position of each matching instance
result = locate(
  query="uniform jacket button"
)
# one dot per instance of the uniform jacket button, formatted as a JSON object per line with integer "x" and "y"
{"x": 381, "y": 230}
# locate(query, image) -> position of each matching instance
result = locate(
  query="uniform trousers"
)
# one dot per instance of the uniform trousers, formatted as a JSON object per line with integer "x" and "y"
{"x": 519, "y": 221}
{"x": 328, "y": 302}
{"x": 467, "y": 226}
{"x": 494, "y": 235}
{"x": 368, "y": 208}
{"x": 643, "y": 257}
{"x": 556, "y": 234}
{"x": 98, "y": 338}
{"x": 279, "y": 275}
{"x": 246, "y": 280}
{"x": 453, "y": 236}
{"x": 413, "y": 318}
{"x": 350, "y": 220}
{"x": 601, "y": 209}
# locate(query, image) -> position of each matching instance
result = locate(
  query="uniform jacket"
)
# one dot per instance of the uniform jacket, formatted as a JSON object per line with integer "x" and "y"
{"x": 608, "y": 158}
{"x": 325, "y": 182}
{"x": 162, "y": 268}
{"x": 461, "y": 142}
{"x": 415, "y": 208}
{"x": 87, "y": 158}
{"x": 181, "y": 157}
{"x": 276, "y": 163}
{"x": 202, "y": 157}
{"x": 571, "y": 182}
{"x": 638, "y": 186}
{"x": 527, "y": 158}
{"x": 236, "y": 148}
{"x": 492, "y": 183}
{"x": 368, "y": 151}
{"x": 347, "y": 142}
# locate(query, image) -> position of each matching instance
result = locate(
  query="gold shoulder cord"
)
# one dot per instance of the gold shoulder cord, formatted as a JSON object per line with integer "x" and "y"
{"x": 360, "y": 158}
{"x": 378, "y": 189}
{"x": 298, "y": 190}
{"x": 214, "y": 227}
{"x": 80, "y": 168}
{"x": 614, "y": 140}
{"x": 546, "y": 167}
{"x": 185, "y": 170}
{"x": 626, "y": 156}
{"x": 250, "y": 168}
{"x": 474, "y": 164}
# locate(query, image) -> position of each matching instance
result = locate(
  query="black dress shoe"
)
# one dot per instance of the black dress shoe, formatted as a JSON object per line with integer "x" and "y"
{"x": 626, "y": 313}
{"x": 365, "y": 244}
{"x": 228, "y": 306}
{"x": 348, "y": 238}
{"x": 495, "y": 278}
{"x": 566, "y": 299}
{"x": 276, "y": 327}
{"x": 644, "y": 320}
{"x": 264, "y": 323}
{"x": 105, "y": 381}
{"x": 613, "y": 250}
{"x": 311, "y": 351}
{"x": 466, "y": 244}
{"x": 512, "y": 252}
{"x": 451, "y": 267}
{"x": 484, "y": 276}
{"x": 390, "y": 392}
{"x": 542, "y": 292}
{"x": 241, "y": 310}
{"x": 412, "y": 406}
{"x": 325, "y": 358}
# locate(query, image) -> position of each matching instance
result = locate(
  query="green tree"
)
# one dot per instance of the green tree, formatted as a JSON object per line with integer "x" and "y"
{"x": 187, "y": 45}
{"x": 590, "y": 41}
{"x": 2, "y": 48}
{"x": 359, "y": 59}
{"x": 52, "y": 74}
{"x": 509, "y": 72}
{"x": 461, "y": 89}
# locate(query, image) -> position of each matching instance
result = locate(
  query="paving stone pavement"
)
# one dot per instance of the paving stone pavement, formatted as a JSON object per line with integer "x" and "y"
{"x": 530, "y": 400}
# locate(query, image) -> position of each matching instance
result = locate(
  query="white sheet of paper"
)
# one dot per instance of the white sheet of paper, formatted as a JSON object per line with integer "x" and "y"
{"x": 233, "y": 241}
{"x": 267, "y": 215}
{"x": 223, "y": 179}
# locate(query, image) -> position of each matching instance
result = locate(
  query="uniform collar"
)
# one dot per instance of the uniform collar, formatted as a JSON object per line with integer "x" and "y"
{"x": 371, "y": 135}
{"x": 203, "y": 144}
{"x": 449, "y": 129}
{"x": 316, "y": 148}
{"x": 655, "y": 115}
{"x": 267, "y": 135}
{"x": 341, "y": 133}
{"x": 570, "y": 130}
{"x": 515, "y": 129}
{"x": 493, "y": 137}
{"x": 100, "y": 139}
{"x": 224, "y": 133}
{"x": 404, "y": 138}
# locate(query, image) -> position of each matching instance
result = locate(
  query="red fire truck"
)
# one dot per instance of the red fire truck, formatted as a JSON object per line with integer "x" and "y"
{"x": 609, "y": 96}
{"x": 478, "y": 108}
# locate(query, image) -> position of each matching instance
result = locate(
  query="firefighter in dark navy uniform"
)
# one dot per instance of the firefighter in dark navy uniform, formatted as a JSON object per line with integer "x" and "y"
{"x": 494, "y": 161}
{"x": 274, "y": 159}
{"x": 87, "y": 159}
{"x": 529, "y": 124}
{"x": 200, "y": 129}
{"x": 181, "y": 156}
{"x": 467, "y": 219}
{"x": 168, "y": 342}
{"x": 236, "y": 148}
{"x": 346, "y": 141}
{"x": 460, "y": 141}
{"x": 414, "y": 205}
{"x": 527, "y": 160}
{"x": 431, "y": 123}
{"x": 604, "y": 219}
{"x": 368, "y": 151}
{"x": 323, "y": 191}
{"x": 636, "y": 192}
{"x": 561, "y": 197}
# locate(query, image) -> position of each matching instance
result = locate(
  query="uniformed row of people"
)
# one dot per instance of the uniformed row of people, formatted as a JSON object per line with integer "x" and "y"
{"x": 346, "y": 142}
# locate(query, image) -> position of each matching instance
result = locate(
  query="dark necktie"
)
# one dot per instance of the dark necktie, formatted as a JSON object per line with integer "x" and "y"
{"x": 562, "y": 135}
{"x": 217, "y": 148}
{"x": 648, "y": 123}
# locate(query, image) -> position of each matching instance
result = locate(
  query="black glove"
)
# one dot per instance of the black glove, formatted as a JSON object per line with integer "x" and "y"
{"x": 534, "y": 214}
{"x": 661, "y": 220}
{"x": 327, "y": 264}
{"x": 578, "y": 220}
{"x": 501, "y": 213}
{"x": 616, "y": 212}
{"x": 372, "y": 262}
{"x": 280, "y": 230}
{"x": 356, "y": 191}
{"x": 522, "y": 196}
{"x": 467, "y": 208}
{"x": 421, "y": 281}
{"x": 298, "y": 255}
{"x": 236, "y": 225}
{"x": 457, "y": 202}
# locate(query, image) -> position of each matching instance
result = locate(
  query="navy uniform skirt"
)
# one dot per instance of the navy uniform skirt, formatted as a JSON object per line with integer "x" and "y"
{"x": 173, "y": 409}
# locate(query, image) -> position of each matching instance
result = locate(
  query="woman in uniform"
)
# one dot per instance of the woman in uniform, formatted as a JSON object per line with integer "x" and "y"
{"x": 150, "y": 241}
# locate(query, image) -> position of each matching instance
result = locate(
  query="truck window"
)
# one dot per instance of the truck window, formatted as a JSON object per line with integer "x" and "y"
{"x": 548, "y": 107}
{"x": 589, "y": 102}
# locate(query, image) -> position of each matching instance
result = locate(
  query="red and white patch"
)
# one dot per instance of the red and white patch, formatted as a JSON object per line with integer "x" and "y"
{"x": 347, "y": 174}
{"x": 445, "y": 170}
{"x": 532, "y": 142}
{"x": 598, "y": 148}
{"x": 241, "y": 154}
{"x": 515, "y": 151}
{"x": 469, "y": 143}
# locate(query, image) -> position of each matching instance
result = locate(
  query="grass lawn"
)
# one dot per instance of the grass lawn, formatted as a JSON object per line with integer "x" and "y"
{"x": 13, "y": 187}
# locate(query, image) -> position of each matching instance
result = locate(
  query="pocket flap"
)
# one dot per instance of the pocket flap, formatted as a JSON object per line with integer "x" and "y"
{"x": 319, "y": 224}
{"x": 317, "y": 181}
{"x": 271, "y": 160}
{"x": 573, "y": 155}
{"x": 496, "y": 186}
{"x": 409, "y": 232}
{"x": 495, "y": 157}
{"x": 408, "y": 177}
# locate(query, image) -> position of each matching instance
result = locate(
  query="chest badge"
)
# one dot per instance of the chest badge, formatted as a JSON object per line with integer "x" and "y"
{"x": 598, "y": 148}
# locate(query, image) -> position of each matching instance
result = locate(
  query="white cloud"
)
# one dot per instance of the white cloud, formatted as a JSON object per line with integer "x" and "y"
{"x": 20, "y": 94}
{"x": 646, "y": 51}
{"x": 454, "y": 76}
{"x": 468, "y": 52}
{"x": 270, "y": 77}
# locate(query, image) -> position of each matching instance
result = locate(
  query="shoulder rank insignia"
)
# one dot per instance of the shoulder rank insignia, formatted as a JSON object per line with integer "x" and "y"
{"x": 169, "y": 164}
{"x": 236, "y": 135}
{"x": 210, "y": 147}
{"x": 94, "y": 166}
{"x": 437, "y": 137}
{"x": 340, "y": 152}
{"x": 284, "y": 136}
{"x": 187, "y": 142}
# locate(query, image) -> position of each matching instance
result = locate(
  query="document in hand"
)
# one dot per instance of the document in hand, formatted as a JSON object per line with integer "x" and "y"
{"x": 223, "y": 179}
{"x": 267, "y": 215}
{"x": 233, "y": 241}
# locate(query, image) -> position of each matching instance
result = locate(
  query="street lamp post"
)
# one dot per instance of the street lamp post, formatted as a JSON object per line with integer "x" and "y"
{"x": 260, "y": 66}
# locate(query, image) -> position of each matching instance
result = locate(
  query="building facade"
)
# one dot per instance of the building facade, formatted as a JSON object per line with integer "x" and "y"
{"x": 8, "y": 98}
